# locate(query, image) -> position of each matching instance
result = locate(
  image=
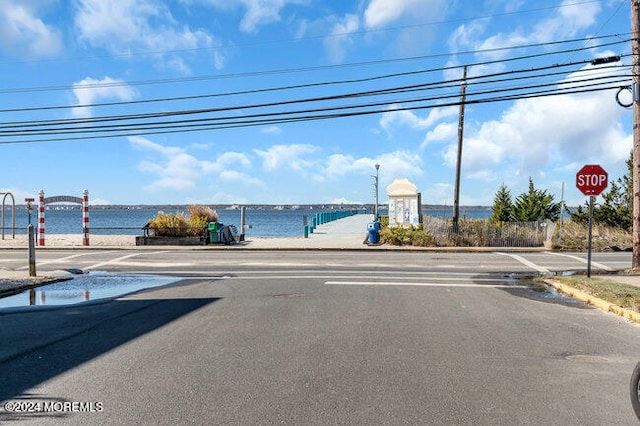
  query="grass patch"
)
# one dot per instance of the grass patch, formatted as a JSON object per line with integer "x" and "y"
{"x": 620, "y": 294}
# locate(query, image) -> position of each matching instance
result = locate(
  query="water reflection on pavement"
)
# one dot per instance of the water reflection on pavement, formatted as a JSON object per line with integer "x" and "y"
{"x": 85, "y": 287}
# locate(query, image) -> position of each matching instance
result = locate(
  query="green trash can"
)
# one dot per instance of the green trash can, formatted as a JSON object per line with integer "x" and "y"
{"x": 214, "y": 232}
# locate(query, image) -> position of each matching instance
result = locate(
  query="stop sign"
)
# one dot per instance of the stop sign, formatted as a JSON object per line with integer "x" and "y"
{"x": 592, "y": 179}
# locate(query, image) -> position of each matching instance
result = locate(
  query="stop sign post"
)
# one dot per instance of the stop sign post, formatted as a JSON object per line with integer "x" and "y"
{"x": 591, "y": 180}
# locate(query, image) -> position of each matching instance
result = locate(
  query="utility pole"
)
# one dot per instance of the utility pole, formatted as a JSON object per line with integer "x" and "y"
{"x": 456, "y": 192}
{"x": 635, "y": 55}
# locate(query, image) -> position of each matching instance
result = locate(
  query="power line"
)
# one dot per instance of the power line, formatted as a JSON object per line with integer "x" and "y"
{"x": 253, "y": 123}
{"x": 325, "y": 67}
{"x": 320, "y": 113}
{"x": 386, "y": 91}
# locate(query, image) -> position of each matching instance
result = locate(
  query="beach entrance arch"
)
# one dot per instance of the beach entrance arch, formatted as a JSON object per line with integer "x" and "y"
{"x": 84, "y": 201}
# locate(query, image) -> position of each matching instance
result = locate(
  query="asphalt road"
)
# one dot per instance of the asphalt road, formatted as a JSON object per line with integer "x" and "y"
{"x": 320, "y": 338}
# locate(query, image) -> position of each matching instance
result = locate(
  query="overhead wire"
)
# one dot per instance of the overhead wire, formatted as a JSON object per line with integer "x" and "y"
{"x": 300, "y": 114}
{"x": 326, "y": 67}
{"x": 256, "y": 91}
{"x": 25, "y": 130}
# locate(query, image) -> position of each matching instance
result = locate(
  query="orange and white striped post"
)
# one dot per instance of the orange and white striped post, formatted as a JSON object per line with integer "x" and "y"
{"x": 41, "y": 218}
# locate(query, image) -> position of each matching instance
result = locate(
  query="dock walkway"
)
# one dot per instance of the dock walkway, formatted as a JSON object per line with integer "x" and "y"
{"x": 347, "y": 233}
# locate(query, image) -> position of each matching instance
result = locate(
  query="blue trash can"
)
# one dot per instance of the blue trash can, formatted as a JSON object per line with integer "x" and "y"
{"x": 374, "y": 232}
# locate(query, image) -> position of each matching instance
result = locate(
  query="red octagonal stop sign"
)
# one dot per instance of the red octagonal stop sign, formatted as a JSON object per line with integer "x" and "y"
{"x": 592, "y": 179}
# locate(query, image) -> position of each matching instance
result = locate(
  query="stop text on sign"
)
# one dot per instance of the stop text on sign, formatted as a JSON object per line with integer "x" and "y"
{"x": 592, "y": 180}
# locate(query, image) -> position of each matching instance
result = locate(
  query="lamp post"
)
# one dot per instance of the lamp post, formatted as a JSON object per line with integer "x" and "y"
{"x": 31, "y": 237}
{"x": 375, "y": 209}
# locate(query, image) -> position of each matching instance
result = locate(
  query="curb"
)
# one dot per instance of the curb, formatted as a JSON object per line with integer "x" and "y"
{"x": 595, "y": 301}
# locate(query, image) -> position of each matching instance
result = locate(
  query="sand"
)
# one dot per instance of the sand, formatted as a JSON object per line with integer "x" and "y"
{"x": 71, "y": 240}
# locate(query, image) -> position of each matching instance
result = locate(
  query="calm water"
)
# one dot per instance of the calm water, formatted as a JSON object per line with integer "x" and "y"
{"x": 265, "y": 223}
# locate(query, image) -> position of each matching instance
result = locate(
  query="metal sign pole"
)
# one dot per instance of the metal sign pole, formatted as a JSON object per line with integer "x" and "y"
{"x": 591, "y": 198}
{"x": 32, "y": 251}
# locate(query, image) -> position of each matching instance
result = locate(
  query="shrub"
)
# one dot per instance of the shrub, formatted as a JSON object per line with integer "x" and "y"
{"x": 179, "y": 225}
{"x": 169, "y": 224}
{"x": 412, "y": 236}
{"x": 200, "y": 211}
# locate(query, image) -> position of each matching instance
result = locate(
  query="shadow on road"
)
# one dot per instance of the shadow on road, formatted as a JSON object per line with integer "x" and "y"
{"x": 54, "y": 342}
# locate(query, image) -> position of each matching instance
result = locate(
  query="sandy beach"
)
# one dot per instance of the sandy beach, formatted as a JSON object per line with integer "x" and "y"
{"x": 71, "y": 240}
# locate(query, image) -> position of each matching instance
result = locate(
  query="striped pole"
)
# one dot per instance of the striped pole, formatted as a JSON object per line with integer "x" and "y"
{"x": 41, "y": 218}
{"x": 85, "y": 217}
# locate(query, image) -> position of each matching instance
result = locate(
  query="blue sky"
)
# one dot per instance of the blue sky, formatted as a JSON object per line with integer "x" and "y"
{"x": 66, "y": 65}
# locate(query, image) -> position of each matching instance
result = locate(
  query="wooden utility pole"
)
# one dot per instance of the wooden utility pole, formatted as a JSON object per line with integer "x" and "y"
{"x": 456, "y": 192}
{"x": 635, "y": 55}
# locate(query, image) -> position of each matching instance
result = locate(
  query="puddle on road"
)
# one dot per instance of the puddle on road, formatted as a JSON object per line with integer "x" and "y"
{"x": 85, "y": 287}
{"x": 540, "y": 291}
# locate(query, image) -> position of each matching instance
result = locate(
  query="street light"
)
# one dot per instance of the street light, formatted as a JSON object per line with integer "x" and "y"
{"x": 375, "y": 209}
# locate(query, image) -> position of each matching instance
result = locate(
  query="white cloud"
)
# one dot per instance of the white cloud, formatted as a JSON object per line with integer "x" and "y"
{"x": 338, "y": 42}
{"x": 136, "y": 25}
{"x": 21, "y": 30}
{"x": 442, "y": 132}
{"x": 572, "y": 18}
{"x": 175, "y": 169}
{"x": 383, "y": 12}
{"x": 225, "y": 160}
{"x": 392, "y": 165}
{"x": 235, "y": 176}
{"x": 568, "y": 21}
{"x": 407, "y": 118}
{"x": 260, "y": 12}
{"x": 287, "y": 157}
{"x": 534, "y": 134}
{"x": 87, "y": 93}
{"x": 257, "y": 13}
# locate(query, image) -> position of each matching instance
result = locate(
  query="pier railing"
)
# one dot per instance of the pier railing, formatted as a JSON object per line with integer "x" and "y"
{"x": 326, "y": 217}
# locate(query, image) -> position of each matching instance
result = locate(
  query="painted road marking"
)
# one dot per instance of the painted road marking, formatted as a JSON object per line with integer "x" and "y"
{"x": 526, "y": 262}
{"x": 118, "y": 259}
{"x": 261, "y": 275}
{"x": 579, "y": 259}
{"x": 423, "y": 284}
{"x": 62, "y": 259}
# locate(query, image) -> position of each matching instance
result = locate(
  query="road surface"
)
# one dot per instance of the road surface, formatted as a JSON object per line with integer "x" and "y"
{"x": 320, "y": 338}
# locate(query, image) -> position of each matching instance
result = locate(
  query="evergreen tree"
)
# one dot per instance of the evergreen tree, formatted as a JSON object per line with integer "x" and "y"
{"x": 502, "y": 209}
{"x": 580, "y": 215}
{"x": 535, "y": 205}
